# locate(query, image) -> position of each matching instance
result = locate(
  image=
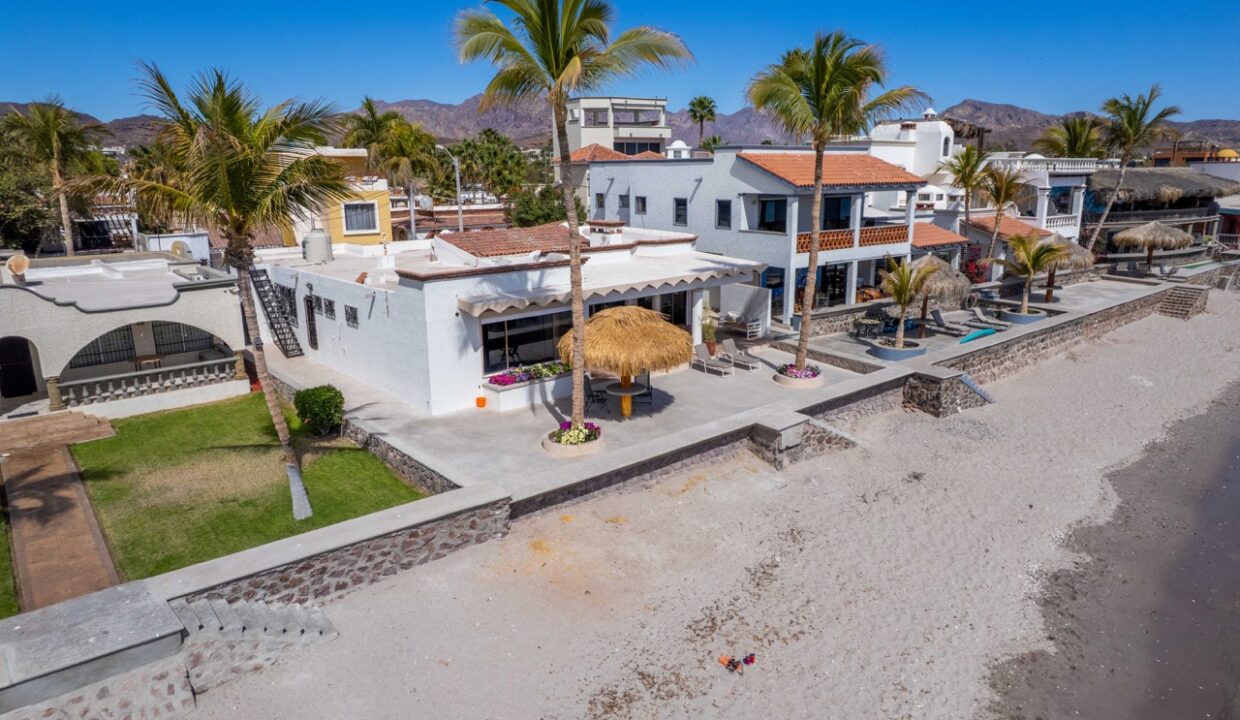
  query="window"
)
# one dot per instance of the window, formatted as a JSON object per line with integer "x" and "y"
{"x": 938, "y": 196}
{"x": 923, "y": 197}
{"x": 318, "y": 304}
{"x": 947, "y": 146}
{"x": 329, "y": 309}
{"x": 680, "y": 211}
{"x": 636, "y": 148}
{"x": 624, "y": 201}
{"x": 361, "y": 217}
{"x": 639, "y": 204}
{"x": 836, "y": 212}
{"x": 723, "y": 214}
{"x": 115, "y": 346}
{"x": 288, "y": 302}
{"x": 596, "y": 117}
{"x": 525, "y": 341}
{"x": 173, "y": 338}
{"x": 773, "y": 215}
{"x": 350, "y": 316}
{"x": 600, "y": 201}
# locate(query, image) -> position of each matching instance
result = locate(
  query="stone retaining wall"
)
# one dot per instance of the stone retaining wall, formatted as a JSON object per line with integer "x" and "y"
{"x": 850, "y": 364}
{"x": 872, "y": 400}
{"x": 830, "y": 321}
{"x": 158, "y": 690}
{"x": 940, "y": 396}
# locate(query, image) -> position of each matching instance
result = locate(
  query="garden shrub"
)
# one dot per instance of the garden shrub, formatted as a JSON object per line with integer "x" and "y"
{"x": 320, "y": 408}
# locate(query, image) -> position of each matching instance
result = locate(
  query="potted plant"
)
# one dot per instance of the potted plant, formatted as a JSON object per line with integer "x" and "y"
{"x": 904, "y": 282}
{"x": 1029, "y": 255}
{"x": 708, "y": 333}
{"x": 803, "y": 378}
{"x": 574, "y": 441}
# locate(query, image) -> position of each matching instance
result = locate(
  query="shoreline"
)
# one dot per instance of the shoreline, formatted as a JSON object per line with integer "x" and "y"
{"x": 1147, "y": 625}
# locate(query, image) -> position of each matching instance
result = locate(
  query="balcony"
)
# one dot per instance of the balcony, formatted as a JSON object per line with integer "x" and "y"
{"x": 148, "y": 382}
{"x": 842, "y": 239}
{"x": 1050, "y": 166}
{"x": 1055, "y": 222}
{"x": 1137, "y": 217}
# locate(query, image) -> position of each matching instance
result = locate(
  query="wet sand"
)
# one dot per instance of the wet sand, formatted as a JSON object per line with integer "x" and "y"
{"x": 1147, "y": 626}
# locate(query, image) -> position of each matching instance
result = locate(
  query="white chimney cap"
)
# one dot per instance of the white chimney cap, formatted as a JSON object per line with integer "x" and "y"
{"x": 929, "y": 114}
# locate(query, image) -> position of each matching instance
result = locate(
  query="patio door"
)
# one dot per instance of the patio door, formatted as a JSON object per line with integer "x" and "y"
{"x": 16, "y": 368}
{"x": 312, "y": 330}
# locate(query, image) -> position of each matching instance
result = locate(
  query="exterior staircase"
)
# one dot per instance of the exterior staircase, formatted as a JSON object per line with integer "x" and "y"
{"x": 1184, "y": 301}
{"x": 286, "y": 339}
{"x": 57, "y": 428}
{"x": 226, "y": 640}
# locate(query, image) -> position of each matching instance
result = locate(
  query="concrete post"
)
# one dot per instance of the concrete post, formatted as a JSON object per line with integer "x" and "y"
{"x": 54, "y": 400}
{"x": 910, "y": 212}
{"x": 850, "y": 284}
{"x": 854, "y": 217}
{"x": 790, "y": 272}
{"x": 1044, "y": 196}
{"x": 698, "y": 300}
{"x": 239, "y": 366}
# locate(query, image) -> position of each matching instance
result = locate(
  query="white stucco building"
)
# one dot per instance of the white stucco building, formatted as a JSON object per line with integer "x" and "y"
{"x": 429, "y": 321}
{"x": 118, "y": 335}
{"x": 628, "y": 125}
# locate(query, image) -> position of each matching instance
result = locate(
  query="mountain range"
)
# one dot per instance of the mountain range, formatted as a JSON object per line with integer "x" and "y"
{"x": 528, "y": 123}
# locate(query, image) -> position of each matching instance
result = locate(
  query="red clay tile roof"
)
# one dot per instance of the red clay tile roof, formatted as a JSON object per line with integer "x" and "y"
{"x": 551, "y": 237}
{"x": 648, "y": 155}
{"x": 838, "y": 170}
{"x": 428, "y": 222}
{"x": 1008, "y": 226}
{"x": 265, "y": 238}
{"x": 928, "y": 235}
{"x": 594, "y": 152}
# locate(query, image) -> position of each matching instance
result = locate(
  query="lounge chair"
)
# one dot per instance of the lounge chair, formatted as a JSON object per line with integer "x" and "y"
{"x": 702, "y": 359}
{"x": 595, "y": 397}
{"x": 982, "y": 318}
{"x": 937, "y": 322}
{"x": 1165, "y": 271}
{"x": 647, "y": 397}
{"x": 737, "y": 357}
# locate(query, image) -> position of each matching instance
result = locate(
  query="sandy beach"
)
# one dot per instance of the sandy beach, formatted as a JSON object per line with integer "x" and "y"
{"x": 891, "y": 580}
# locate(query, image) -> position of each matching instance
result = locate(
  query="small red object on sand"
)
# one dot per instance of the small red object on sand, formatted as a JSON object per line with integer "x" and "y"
{"x": 749, "y": 659}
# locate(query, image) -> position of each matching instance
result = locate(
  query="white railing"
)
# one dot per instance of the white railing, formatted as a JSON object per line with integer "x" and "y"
{"x": 1059, "y": 221}
{"x": 147, "y": 382}
{"x": 1057, "y": 166}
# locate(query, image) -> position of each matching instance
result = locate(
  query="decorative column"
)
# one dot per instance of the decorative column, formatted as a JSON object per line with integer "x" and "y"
{"x": 697, "y": 314}
{"x": 54, "y": 401}
{"x": 1044, "y": 196}
{"x": 854, "y": 217}
{"x": 791, "y": 221}
{"x": 910, "y": 212}
{"x": 239, "y": 366}
{"x": 850, "y": 284}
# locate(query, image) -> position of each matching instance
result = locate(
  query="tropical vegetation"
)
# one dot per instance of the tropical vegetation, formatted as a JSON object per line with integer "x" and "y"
{"x": 904, "y": 282}
{"x": 1028, "y": 256}
{"x": 824, "y": 91}
{"x": 1130, "y": 123}
{"x": 557, "y": 48}
{"x": 1002, "y": 186}
{"x": 320, "y": 408}
{"x": 710, "y": 143}
{"x": 1079, "y": 136}
{"x": 527, "y": 208}
{"x": 967, "y": 170}
{"x": 702, "y": 110}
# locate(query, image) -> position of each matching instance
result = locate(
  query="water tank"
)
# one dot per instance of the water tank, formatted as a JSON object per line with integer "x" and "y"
{"x": 316, "y": 246}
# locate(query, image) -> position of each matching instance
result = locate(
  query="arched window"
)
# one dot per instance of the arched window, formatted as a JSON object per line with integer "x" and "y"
{"x": 947, "y": 146}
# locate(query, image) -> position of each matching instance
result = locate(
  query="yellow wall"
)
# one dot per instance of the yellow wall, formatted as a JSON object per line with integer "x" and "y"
{"x": 333, "y": 219}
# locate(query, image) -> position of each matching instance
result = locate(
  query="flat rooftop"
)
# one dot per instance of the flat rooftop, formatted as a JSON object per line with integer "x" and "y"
{"x": 117, "y": 283}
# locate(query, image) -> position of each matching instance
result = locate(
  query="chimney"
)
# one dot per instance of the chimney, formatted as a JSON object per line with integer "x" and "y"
{"x": 605, "y": 232}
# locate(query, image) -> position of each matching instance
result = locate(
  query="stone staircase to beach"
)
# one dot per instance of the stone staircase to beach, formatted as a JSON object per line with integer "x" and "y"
{"x": 1184, "y": 301}
{"x": 227, "y": 640}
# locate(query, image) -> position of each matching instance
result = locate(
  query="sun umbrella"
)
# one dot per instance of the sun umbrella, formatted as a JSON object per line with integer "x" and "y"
{"x": 945, "y": 284}
{"x": 1078, "y": 258}
{"x": 1153, "y": 236}
{"x": 628, "y": 340}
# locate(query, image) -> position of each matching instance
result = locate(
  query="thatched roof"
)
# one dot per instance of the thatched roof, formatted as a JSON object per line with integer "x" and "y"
{"x": 1154, "y": 235}
{"x": 1161, "y": 184}
{"x": 1078, "y": 257}
{"x": 945, "y": 284}
{"x": 629, "y": 340}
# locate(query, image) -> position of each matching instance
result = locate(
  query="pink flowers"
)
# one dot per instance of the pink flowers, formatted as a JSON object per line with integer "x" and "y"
{"x": 580, "y": 435}
{"x": 806, "y": 373}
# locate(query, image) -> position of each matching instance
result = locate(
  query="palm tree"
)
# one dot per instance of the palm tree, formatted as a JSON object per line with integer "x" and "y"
{"x": 709, "y": 144}
{"x": 1073, "y": 137}
{"x": 824, "y": 91}
{"x": 54, "y": 137}
{"x": 1029, "y": 255}
{"x": 559, "y": 47}
{"x": 903, "y": 282}
{"x": 407, "y": 153}
{"x": 702, "y": 110}
{"x": 369, "y": 129}
{"x": 1001, "y": 186}
{"x": 245, "y": 169}
{"x": 1131, "y": 124}
{"x": 966, "y": 169}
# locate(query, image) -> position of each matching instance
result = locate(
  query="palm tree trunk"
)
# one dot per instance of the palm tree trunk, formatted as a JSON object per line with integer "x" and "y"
{"x": 994, "y": 236}
{"x": 900, "y": 328}
{"x": 1024, "y": 300}
{"x": 925, "y": 309}
{"x": 1050, "y": 285}
{"x": 811, "y": 273}
{"x": 560, "y": 111}
{"x": 701, "y": 131}
{"x": 66, "y": 222}
{"x": 1093, "y": 238}
{"x": 1149, "y": 261}
{"x": 968, "y": 200}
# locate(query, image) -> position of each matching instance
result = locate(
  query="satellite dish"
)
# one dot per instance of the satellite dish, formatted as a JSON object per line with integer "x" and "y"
{"x": 180, "y": 249}
{"x": 18, "y": 264}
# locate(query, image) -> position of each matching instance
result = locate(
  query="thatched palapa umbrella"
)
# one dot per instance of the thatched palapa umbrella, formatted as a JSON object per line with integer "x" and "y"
{"x": 945, "y": 284}
{"x": 1078, "y": 258}
{"x": 628, "y": 340}
{"x": 1153, "y": 236}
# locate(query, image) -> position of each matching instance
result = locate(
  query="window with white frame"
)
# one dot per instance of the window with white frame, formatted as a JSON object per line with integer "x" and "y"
{"x": 600, "y": 201}
{"x": 639, "y": 204}
{"x": 624, "y": 201}
{"x": 361, "y": 217}
{"x": 329, "y": 309}
{"x": 350, "y": 316}
{"x": 680, "y": 211}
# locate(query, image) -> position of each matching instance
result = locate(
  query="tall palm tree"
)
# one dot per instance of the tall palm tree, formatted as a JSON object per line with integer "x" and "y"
{"x": 245, "y": 169}
{"x": 369, "y": 129}
{"x": 966, "y": 170}
{"x": 1027, "y": 256}
{"x": 824, "y": 91}
{"x": 1073, "y": 137}
{"x": 1130, "y": 124}
{"x": 1002, "y": 186}
{"x": 710, "y": 143}
{"x": 903, "y": 281}
{"x": 559, "y": 47}
{"x": 702, "y": 110}
{"x": 55, "y": 138}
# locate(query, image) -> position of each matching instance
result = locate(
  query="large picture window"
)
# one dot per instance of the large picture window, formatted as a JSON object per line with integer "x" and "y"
{"x": 524, "y": 341}
{"x": 361, "y": 217}
{"x": 115, "y": 346}
{"x": 174, "y": 338}
{"x": 773, "y": 215}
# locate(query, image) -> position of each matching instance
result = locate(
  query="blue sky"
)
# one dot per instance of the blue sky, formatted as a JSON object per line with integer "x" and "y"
{"x": 1053, "y": 57}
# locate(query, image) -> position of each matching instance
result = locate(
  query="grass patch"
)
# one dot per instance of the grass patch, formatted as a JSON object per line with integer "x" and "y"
{"x": 8, "y": 586}
{"x": 179, "y": 487}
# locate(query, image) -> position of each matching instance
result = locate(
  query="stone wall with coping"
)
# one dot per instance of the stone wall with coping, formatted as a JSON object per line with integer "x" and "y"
{"x": 840, "y": 319}
{"x": 851, "y": 364}
{"x": 940, "y": 396}
{"x": 872, "y": 400}
{"x": 158, "y": 690}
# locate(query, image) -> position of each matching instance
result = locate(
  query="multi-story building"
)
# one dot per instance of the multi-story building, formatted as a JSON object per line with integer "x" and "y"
{"x": 363, "y": 219}
{"x": 627, "y": 125}
{"x": 754, "y": 202}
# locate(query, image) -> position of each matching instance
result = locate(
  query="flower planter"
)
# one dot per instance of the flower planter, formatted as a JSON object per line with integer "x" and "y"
{"x": 891, "y": 354}
{"x": 533, "y": 393}
{"x": 555, "y": 449}
{"x": 799, "y": 383}
{"x": 1014, "y": 316}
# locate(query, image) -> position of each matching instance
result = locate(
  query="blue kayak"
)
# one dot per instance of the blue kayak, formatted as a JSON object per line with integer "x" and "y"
{"x": 976, "y": 334}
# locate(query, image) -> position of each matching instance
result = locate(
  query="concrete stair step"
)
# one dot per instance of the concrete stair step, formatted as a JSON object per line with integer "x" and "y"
{"x": 319, "y": 622}
{"x": 261, "y": 619}
{"x": 232, "y": 623}
{"x": 207, "y": 618}
{"x": 186, "y": 616}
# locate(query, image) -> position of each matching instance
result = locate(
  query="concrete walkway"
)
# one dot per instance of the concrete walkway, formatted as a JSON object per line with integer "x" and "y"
{"x": 58, "y": 549}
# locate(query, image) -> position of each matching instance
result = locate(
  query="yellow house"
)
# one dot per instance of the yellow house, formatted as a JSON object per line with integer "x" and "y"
{"x": 365, "y": 218}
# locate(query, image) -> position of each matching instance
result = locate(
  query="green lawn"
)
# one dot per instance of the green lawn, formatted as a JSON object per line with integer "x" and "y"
{"x": 175, "y": 488}
{"x": 8, "y": 588}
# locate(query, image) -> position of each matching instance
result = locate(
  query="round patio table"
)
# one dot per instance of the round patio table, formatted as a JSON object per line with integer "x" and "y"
{"x": 625, "y": 392}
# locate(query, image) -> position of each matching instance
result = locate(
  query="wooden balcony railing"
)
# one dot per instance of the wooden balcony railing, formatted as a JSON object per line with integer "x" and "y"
{"x": 841, "y": 239}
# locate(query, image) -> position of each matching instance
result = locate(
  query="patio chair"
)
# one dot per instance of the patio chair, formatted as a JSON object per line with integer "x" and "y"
{"x": 1134, "y": 268}
{"x": 1165, "y": 271}
{"x": 647, "y": 397}
{"x": 595, "y": 397}
{"x": 738, "y": 357}
{"x": 984, "y": 319}
{"x": 937, "y": 322}
{"x": 702, "y": 359}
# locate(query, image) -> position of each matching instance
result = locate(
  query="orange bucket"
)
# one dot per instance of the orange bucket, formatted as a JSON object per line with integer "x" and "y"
{"x": 480, "y": 401}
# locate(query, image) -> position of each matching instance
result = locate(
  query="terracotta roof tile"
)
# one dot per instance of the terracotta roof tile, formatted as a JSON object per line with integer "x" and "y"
{"x": 1008, "y": 226}
{"x": 928, "y": 235}
{"x": 551, "y": 237}
{"x": 264, "y": 238}
{"x": 648, "y": 155}
{"x": 838, "y": 170}
{"x": 594, "y": 152}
